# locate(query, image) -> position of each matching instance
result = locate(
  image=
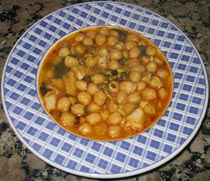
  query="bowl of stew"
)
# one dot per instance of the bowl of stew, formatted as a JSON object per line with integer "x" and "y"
{"x": 105, "y": 83}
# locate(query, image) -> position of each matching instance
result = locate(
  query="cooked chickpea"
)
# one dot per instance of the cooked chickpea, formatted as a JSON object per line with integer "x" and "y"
{"x": 67, "y": 119}
{"x": 93, "y": 118}
{"x": 91, "y": 61}
{"x": 114, "y": 33}
{"x": 99, "y": 97}
{"x": 79, "y": 37}
{"x": 133, "y": 37}
{"x": 114, "y": 64}
{"x": 70, "y": 61}
{"x": 100, "y": 39}
{"x": 111, "y": 41}
{"x": 64, "y": 51}
{"x": 129, "y": 45}
{"x": 92, "y": 88}
{"x": 80, "y": 49}
{"x": 115, "y": 118}
{"x": 138, "y": 68}
{"x": 93, "y": 107}
{"x": 162, "y": 93}
{"x": 63, "y": 104}
{"x": 162, "y": 73}
{"x": 129, "y": 107}
{"x": 155, "y": 82}
{"x": 115, "y": 54}
{"x": 103, "y": 52}
{"x": 119, "y": 46}
{"x": 104, "y": 31}
{"x": 134, "y": 97}
{"x": 149, "y": 94}
{"x": 81, "y": 85}
{"x": 127, "y": 86}
{"x": 87, "y": 41}
{"x": 114, "y": 131}
{"x": 112, "y": 106}
{"x": 85, "y": 129}
{"x": 151, "y": 51}
{"x": 98, "y": 78}
{"x": 135, "y": 76}
{"x": 84, "y": 97}
{"x": 91, "y": 34}
{"x": 134, "y": 52}
{"x": 78, "y": 109}
{"x": 140, "y": 86}
{"x": 122, "y": 97}
{"x": 151, "y": 66}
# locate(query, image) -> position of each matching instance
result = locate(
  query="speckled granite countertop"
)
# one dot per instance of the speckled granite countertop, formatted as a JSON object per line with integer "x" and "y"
{"x": 18, "y": 163}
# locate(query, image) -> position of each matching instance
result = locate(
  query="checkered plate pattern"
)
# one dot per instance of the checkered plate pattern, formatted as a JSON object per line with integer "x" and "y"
{"x": 96, "y": 159}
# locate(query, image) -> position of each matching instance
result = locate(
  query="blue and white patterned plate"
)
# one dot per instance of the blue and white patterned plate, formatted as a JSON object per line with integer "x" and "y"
{"x": 97, "y": 159}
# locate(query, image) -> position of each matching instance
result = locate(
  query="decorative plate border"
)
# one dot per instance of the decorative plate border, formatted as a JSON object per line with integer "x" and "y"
{"x": 97, "y": 159}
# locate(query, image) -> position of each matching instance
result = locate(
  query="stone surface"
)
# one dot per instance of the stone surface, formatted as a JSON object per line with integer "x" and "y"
{"x": 18, "y": 163}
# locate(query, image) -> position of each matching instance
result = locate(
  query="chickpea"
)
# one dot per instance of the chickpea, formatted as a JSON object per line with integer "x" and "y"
{"x": 92, "y": 88}
{"x": 162, "y": 73}
{"x": 98, "y": 78}
{"x": 99, "y": 98}
{"x": 128, "y": 87}
{"x": 103, "y": 52}
{"x": 128, "y": 108}
{"x": 133, "y": 37}
{"x": 114, "y": 33}
{"x": 162, "y": 93}
{"x": 78, "y": 109}
{"x": 112, "y": 106}
{"x": 114, "y": 131}
{"x": 64, "y": 51}
{"x": 151, "y": 67}
{"x": 80, "y": 49}
{"x": 104, "y": 114}
{"x": 134, "y": 98}
{"x": 134, "y": 52}
{"x": 114, "y": 64}
{"x": 91, "y": 61}
{"x": 104, "y": 31}
{"x": 138, "y": 68}
{"x": 115, "y": 118}
{"x": 100, "y": 129}
{"x": 129, "y": 45}
{"x": 85, "y": 129}
{"x": 122, "y": 97}
{"x": 115, "y": 54}
{"x": 67, "y": 119}
{"x": 111, "y": 41}
{"x": 93, "y": 107}
{"x": 79, "y": 37}
{"x": 151, "y": 51}
{"x": 87, "y": 41}
{"x": 93, "y": 118}
{"x": 119, "y": 46}
{"x": 81, "y": 85}
{"x": 145, "y": 60}
{"x": 84, "y": 97}
{"x": 91, "y": 34}
{"x": 135, "y": 76}
{"x": 158, "y": 61}
{"x": 140, "y": 86}
{"x": 155, "y": 82}
{"x": 70, "y": 61}
{"x": 113, "y": 87}
{"x": 100, "y": 39}
{"x": 63, "y": 104}
{"x": 149, "y": 94}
